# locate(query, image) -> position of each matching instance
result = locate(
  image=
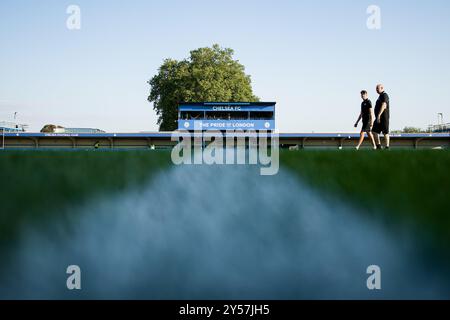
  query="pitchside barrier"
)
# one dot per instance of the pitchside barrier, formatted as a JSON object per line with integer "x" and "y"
{"x": 2, "y": 136}
{"x": 152, "y": 140}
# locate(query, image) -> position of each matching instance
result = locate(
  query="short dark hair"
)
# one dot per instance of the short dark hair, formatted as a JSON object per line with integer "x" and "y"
{"x": 364, "y": 92}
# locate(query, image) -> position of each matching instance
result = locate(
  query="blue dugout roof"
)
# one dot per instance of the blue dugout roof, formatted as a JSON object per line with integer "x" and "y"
{"x": 226, "y": 106}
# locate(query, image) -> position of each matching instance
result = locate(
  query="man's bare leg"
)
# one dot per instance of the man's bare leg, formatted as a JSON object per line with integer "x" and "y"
{"x": 387, "y": 140}
{"x": 372, "y": 139}
{"x": 377, "y": 138}
{"x": 361, "y": 139}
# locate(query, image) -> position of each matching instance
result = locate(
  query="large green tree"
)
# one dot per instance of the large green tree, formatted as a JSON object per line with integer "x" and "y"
{"x": 209, "y": 74}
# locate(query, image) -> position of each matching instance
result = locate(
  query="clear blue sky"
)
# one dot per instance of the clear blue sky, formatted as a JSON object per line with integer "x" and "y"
{"x": 312, "y": 57}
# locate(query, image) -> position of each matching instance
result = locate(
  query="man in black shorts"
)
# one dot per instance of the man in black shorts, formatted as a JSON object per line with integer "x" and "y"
{"x": 366, "y": 116}
{"x": 381, "y": 124}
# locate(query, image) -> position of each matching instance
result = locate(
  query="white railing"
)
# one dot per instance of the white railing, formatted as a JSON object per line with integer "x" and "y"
{"x": 445, "y": 127}
{"x": 9, "y": 126}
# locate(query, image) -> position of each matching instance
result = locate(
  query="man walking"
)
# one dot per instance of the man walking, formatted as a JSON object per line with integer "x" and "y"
{"x": 366, "y": 116}
{"x": 381, "y": 124}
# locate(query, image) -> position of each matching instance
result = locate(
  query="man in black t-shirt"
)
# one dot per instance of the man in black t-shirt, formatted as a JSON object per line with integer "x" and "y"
{"x": 381, "y": 124}
{"x": 366, "y": 116}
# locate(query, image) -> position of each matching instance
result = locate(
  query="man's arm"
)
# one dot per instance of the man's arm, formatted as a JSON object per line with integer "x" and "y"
{"x": 371, "y": 116}
{"x": 359, "y": 118}
{"x": 383, "y": 108}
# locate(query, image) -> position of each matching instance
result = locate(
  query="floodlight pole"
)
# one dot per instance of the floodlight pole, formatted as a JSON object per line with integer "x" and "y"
{"x": 440, "y": 118}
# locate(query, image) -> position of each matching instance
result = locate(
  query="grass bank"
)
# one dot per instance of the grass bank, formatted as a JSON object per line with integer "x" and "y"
{"x": 36, "y": 184}
{"x": 408, "y": 185}
{"x": 412, "y": 185}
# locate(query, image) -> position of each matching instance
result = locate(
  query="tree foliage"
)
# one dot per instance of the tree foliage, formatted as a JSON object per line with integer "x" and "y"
{"x": 412, "y": 130}
{"x": 50, "y": 128}
{"x": 209, "y": 74}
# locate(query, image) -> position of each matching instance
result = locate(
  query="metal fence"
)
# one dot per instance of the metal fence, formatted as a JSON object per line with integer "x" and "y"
{"x": 8, "y": 126}
{"x": 440, "y": 128}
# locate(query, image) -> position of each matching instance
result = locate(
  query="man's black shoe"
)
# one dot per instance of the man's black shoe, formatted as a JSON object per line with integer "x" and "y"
{"x": 378, "y": 146}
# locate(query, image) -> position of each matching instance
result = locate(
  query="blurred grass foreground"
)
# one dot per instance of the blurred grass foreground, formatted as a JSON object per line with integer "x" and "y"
{"x": 403, "y": 185}
{"x": 36, "y": 184}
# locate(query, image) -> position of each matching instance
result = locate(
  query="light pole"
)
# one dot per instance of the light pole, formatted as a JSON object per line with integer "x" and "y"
{"x": 440, "y": 121}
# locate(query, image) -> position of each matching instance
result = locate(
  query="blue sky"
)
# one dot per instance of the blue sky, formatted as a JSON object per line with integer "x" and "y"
{"x": 312, "y": 57}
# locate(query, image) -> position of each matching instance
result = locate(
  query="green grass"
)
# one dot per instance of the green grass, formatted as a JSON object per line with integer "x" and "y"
{"x": 36, "y": 184}
{"x": 401, "y": 185}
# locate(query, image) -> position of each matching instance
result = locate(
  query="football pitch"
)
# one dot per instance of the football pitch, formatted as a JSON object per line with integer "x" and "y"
{"x": 198, "y": 231}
